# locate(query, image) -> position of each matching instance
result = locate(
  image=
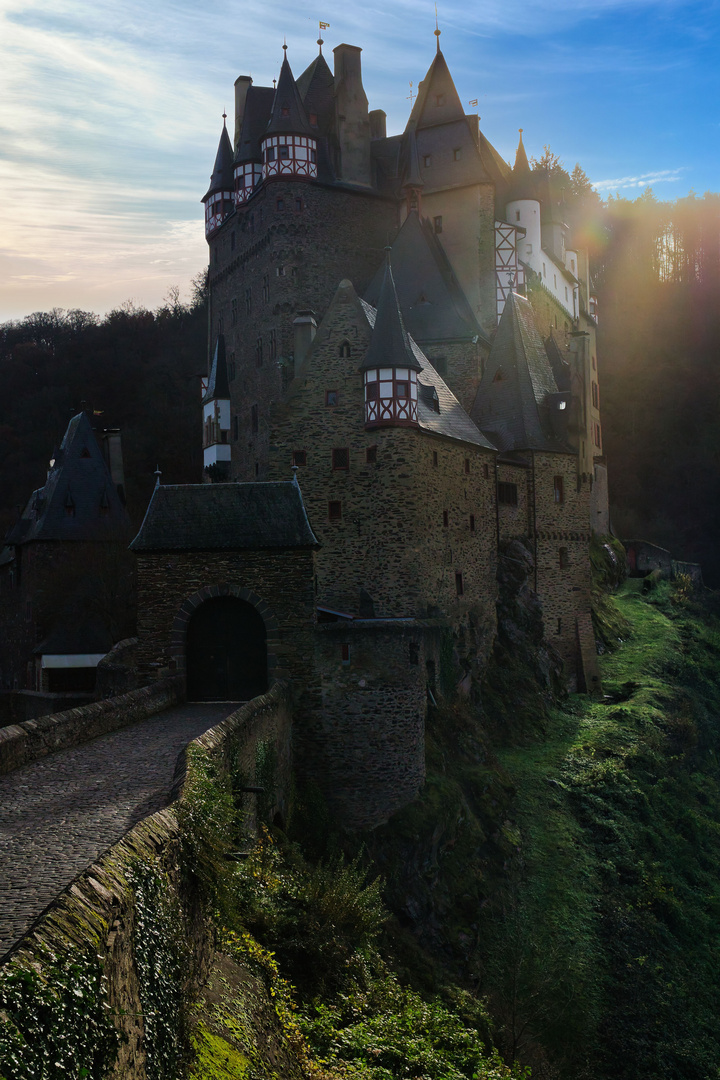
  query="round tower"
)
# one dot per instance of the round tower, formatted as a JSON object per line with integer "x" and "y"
{"x": 218, "y": 198}
{"x": 390, "y": 367}
{"x": 523, "y": 209}
{"x": 289, "y": 145}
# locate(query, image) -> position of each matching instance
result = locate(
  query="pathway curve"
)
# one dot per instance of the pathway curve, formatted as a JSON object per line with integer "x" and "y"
{"x": 57, "y": 815}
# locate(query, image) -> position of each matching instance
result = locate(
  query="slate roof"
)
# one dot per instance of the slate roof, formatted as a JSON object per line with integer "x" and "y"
{"x": 433, "y": 305}
{"x": 79, "y": 480}
{"x": 287, "y": 98}
{"x": 218, "y": 385}
{"x": 316, "y": 87}
{"x": 389, "y": 345}
{"x": 225, "y": 517}
{"x": 438, "y": 83}
{"x": 558, "y": 363}
{"x": 513, "y": 404}
{"x": 523, "y": 182}
{"x": 451, "y": 421}
{"x": 222, "y": 174}
{"x": 258, "y": 106}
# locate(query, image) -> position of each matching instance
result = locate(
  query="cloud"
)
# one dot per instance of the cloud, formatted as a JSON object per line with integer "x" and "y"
{"x": 649, "y": 179}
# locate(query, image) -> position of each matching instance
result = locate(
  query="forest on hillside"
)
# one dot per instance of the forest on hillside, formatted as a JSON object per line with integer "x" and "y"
{"x": 657, "y": 278}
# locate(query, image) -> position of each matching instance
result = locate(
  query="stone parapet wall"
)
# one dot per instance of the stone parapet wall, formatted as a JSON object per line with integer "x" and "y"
{"x": 97, "y": 914}
{"x": 33, "y": 739}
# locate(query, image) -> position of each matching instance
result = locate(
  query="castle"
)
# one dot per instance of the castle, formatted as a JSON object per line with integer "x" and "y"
{"x": 402, "y": 380}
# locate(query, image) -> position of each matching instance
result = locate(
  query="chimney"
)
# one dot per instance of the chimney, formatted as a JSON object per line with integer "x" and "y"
{"x": 351, "y": 112}
{"x": 242, "y": 85}
{"x": 304, "y": 328}
{"x": 112, "y": 452}
{"x": 378, "y": 125}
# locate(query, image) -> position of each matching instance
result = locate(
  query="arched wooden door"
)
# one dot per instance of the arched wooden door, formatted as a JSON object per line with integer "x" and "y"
{"x": 226, "y": 651}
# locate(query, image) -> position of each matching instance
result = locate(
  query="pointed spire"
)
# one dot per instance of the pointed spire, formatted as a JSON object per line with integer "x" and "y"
{"x": 222, "y": 174}
{"x": 521, "y": 159}
{"x": 288, "y": 112}
{"x": 218, "y": 385}
{"x": 438, "y": 101}
{"x": 389, "y": 345}
{"x": 523, "y": 183}
{"x": 437, "y": 30}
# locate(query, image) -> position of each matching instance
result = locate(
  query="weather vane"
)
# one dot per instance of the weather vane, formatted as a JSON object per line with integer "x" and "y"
{"x": 410, "y": 95}
{"x": 437, "y": 30}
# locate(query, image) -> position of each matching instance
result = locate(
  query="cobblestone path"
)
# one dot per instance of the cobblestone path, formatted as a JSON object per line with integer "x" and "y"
{"x": 59, "y": 814}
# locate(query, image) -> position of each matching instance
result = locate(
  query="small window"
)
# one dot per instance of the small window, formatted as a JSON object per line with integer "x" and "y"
{"x": 559, "y": 627}
{"x": 331, "y": 397}
{"x": 270, "y": 153}
{"x": 371, "y": 455}
{"x": 300, "y": 458}
{"x": 371, "y": 391}
{"x": 439, "y": 100}
{"x": 457, "y": 153}
{"x": 597, "y": 435}
{"x": 401, "y": 389}
{"x": 84, "y": 453}
{"x": 284, "y": 153}
{"x": 595, "y": 395}
{"x": 445, "y": 519}
{"x": 413, "y": 653}
{"x": 594, "y": 364}
{"x": 467, "y": 465}
{"x": 459, "y": 584}
{"x": 313, "y": 119}
{"x": 279, "y": 204}
{"x": 472, "y": 523}
{"x": 507, "y": 494}
{"x": 427, "y": 160}
{"x": 280, "y": 271}
{"x": 341, "y": 458}
{"x": 257, "y": 468}
{"x": 345, "y": 350}
{"x": 313, "y": 156}
{"x": 298, "y": 204}
{"x": 563, "y": 558}
{"x": 486, "y": 471}
{"x": 555, "y": 281}
{"x": 254, "y": 420}
{"x": 345, "y": 654}
{"x": 499, "y": 375}
{"x": 285, "y": 110}
{"x": 558, "y": 489}
{"x": 544, "y": 271}
{"x": 566, "y": 292}
{"x": 335, "y": 511}
{"x": 437, "y": 223}
{"x": 517, "y": 215}
{"x": 435, "y": 457}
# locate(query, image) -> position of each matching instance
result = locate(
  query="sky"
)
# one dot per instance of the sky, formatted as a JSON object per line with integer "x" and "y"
{"x": 110, "y": 113}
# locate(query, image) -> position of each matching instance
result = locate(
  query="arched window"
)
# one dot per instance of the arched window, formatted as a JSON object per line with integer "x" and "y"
{"x": 345, "y": 350}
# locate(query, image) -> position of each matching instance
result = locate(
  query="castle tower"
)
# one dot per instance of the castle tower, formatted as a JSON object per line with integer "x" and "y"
{"x": 523, "y": 209}
{"x": 218, "y": 198}
{"x": 390, "y": 366}
{"x": 216, "y": 413}
{"x": 253, "y": 105}
{"x": 289, "y": 146}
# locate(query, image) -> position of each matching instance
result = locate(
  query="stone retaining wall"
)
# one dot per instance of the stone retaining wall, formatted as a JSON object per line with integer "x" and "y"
{"x": 33, "y": 739}
{"x": 98, "y": 910}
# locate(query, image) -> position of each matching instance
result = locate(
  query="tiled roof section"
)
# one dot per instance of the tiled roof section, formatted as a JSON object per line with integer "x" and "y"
{"x": 437, "y": 101}
{"x": 79, "y": 500}
{"x": 258, "y": 106}
{"x": 512, "y": 405}
{"x": 225, "y": 517}
{"x": 218, "y": 386}
{"x": 451, "y": 421}
{"x": 433, "y": 305}
{"x": 222, "y": 174}
{"x": 316, "y": 87}
{"x": 288, "y": 112}
{"x": 558, "y": 363}
{"x": 389, "y": 345}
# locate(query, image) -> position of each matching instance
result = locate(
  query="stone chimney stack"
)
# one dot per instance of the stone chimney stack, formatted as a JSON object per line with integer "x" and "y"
{"x": 304, "y": 328}
{"x": 378, "y": 124}
{"x": 351, "y": 111}
{"x": 242, "y": 85}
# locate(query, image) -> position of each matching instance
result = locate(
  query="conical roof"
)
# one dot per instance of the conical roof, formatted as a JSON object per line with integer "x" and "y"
{"x": 218, "y": 386}
{"x": 316, "y": 87}
{"x": 288, "y": 112}
{"x": 222, "y": 174}
{"x": 389, "y": 345}
{"x": 523, "y": 183}
{"x": 438, "y": 101}
{"x": 512, "y": 406}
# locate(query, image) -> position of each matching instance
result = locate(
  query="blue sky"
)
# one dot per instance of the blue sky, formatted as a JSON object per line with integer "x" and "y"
{"x": 110, "y": 113}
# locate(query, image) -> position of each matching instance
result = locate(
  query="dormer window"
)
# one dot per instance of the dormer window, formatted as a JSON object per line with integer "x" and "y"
{"x": 313, "y": 119}
{"x": 391, "y": 396}
{"x": 439, "y": 100}
{"x": 427, "y": 160}
{"x": 285, "y": 110}
{"x": 457, "y": 153}
{"x": 84, "y": 453}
